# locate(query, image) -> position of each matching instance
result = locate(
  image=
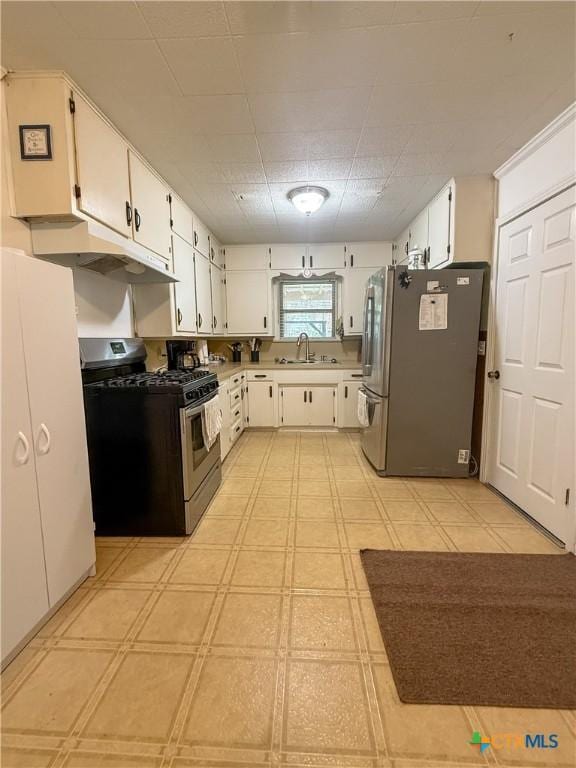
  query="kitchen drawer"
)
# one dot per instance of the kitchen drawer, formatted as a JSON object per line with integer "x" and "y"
{"x": 235, "y": 397}
{"x": 236, "y": 431}
{"x": 352, "y": 375}
{"x": 235, "y": 381}
{"x": 236, "y": 413}
{"x": 260, "y": 376}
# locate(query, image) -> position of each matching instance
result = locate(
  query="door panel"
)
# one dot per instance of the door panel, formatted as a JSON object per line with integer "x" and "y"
{"x": 326, "y": 256}
{"x": 102, "y": 169}
{"x": 321, "y": 406}
{"x": 151, "y": 208}
{"x": 58, "y": 422}
{"x": 439, "y": 229}
{"x": 261, "y": 404}
{"x": 246, "y": 257}
{"x": 185, "y": 290}
{"x": 248, "y": 303}
{"x": 288, "y": 256}
{"x": 294, "y": 405}
{"x": 201, "y": 238}
{"x": 350, "y": 404}
{"x": 203, "y": 294}
{"x": 354, "y": 289}
{"x": 531, "y": 431}
{"x": 181, "y": 217}
{"x": 218, "y": 303}
{"x": 364, "y": 255}
{"x": 24, "y": 589}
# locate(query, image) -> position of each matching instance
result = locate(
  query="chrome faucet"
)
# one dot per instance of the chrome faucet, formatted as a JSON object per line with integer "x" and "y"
{"x": 302, "y": 336}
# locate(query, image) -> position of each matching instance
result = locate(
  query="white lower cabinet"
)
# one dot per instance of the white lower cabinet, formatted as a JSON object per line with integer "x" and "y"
{"x": 312, "y": 405}
{"x": 261, "y": 404}
{"x": 47, "y": 528}
{"x": 349, "y": 401}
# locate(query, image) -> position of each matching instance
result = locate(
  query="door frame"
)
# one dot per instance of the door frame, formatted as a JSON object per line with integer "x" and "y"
{"x": 489, "y": 400}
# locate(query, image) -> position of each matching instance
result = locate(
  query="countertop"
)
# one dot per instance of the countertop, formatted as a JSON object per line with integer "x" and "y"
{"x": 225, "y": 370}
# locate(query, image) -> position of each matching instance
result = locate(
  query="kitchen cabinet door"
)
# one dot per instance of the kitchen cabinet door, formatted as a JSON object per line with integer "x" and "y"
{"x": 349, "y": 414}
{"x": 354, "y": 290}
{"x": 326, "y": 256}
{"x": 289, "y": 256}
{"x": 216, "y": 252}
{"x": 218, "y": 286}
{"x": 261, "y": 404}
{"x": 419, "y": 231}
{"x": 246, "y": 257}
{"x": 403, "y": 245}
{"x": 321, "y": 405}
{"x": 58, "y": 422}
{"x": 185, "y": 290}
{"x": 203, "y": 294}
{"x": 201, "y": 238}
{"x": 294, "y": 406}
{"x": 362, "y": 255}
{"x": 150, "y": 208}
{"x": 439, "y": 212}
{"x": 102, "y": 169}
{"x": 248, "y": 303}
{"x": 24, "y": 589}
{"x": 181, "y": 219}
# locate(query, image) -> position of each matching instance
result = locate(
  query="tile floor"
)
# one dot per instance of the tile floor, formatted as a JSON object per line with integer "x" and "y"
{"x": 254, "y": 642}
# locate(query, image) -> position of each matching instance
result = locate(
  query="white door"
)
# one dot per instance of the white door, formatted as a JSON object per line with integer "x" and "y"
{"x": 102, "y": 169}
{"x": 185, "y": 290}
{"x": 363, "y": 255}
{"x": 321, "y": 405}
{"x": 58, "y": 424}
{"x": 24, "y": 589}
{"x": 216, "y": 252}
{"x": 151, "y": 208}
{"x": 354, "y": 290}
{"x": 531, "y": 451}
{"x": 201, "y": 238}
{"x": 218, "y": 299}
{"x": 289, "y": 256}
{"x": 326, "y": 256}
{"x": 439, "y": 229}
{"x": 248, "y": 303}
{"x": 241, "y": 257}
{"x": 419, "y": 231}
{"x": 181, "y": 218}
{"x": 203, "y": 294}
{"x": 261, "y": 404}
{"x": 350, "y": 404}
{"x": 294, "y": 406}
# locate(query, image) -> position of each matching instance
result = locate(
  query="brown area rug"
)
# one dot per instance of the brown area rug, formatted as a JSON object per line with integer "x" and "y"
{"x": 477, "y": 629}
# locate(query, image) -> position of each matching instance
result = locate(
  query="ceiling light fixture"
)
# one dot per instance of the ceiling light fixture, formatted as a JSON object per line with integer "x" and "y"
{"x": 308, "y": 199}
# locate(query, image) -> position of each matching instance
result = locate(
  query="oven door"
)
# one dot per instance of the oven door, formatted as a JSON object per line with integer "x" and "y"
{"x": 197, "y": 462}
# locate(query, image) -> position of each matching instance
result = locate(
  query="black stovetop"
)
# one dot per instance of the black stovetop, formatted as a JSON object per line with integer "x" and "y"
{"x": 193, "y": 384}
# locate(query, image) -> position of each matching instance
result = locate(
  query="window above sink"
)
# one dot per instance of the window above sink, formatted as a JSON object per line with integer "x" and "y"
{"x": 307, "y": 306}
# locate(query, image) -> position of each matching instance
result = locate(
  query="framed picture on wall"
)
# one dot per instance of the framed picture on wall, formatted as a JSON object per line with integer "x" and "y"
{"x": 35, "y": 142}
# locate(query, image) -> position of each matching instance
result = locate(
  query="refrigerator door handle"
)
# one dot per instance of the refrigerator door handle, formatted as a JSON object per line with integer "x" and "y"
{"x": 367, "y": 347}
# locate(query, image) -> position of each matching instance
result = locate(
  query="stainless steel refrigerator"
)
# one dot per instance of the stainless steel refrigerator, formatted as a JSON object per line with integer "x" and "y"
{"x": 419, "y": 358}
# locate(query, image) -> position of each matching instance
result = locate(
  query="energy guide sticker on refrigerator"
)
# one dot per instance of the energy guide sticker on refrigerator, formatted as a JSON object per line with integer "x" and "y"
{"x": 419, "y": 358}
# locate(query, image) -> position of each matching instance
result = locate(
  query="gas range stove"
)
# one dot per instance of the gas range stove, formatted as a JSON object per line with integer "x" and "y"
{"x": 190, "y": 385}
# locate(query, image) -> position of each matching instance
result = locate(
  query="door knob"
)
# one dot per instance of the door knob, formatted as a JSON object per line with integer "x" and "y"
{"x": 493, "y": 374}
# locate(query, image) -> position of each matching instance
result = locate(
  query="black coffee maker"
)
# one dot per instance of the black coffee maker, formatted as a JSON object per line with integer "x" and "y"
{"x": 181, "y": 354}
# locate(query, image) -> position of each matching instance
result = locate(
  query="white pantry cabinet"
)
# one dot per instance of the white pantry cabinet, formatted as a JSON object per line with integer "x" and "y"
{"x": 181, "y": 219}
{"x": 203, "y": 294}
{"x": 150, "y": 208}
{"x": 362, "y": 255}
{"x": 312, "y": 405}
{"x": 201, "y": 238}
{"x": 218, "y": 289}
{"x": 47, "y": 527}
{"x": 326, "y": 256}
{"x": 246, "y": 257}
{"x": 288, "y": 256}
{"x": 248, "y": 303}
{"x": 354, "y": 289}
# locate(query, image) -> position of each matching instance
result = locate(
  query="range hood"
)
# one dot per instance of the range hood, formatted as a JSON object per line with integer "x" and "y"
{"x": 90, "y": 245}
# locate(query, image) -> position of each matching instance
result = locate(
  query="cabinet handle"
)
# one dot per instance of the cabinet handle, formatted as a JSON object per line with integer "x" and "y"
{"x": 310, "y": 393}
{"x": 137, "y": 219}
{"x": 305, "y": 395}
{"x": 357, "y": 375}
{"x": 195, "y": 238}
{"x": 212, "y": 253}
{"x": 237, "y": 429}
{"x": 351, "y": 259}
{"x": 44, "y": 431}
{"x": 311, "y": 262}
{"x": 265, "y": 321}
{"x": 215, "y": 321}
{"x": 128, "y": 213}
{"x": 20, "y": 460}
{"x": 270, "y": 390}
{"x": 199, "y": 320}
{"x": 259, "y": 375}
{"x": 351, "y": 322}
{"x": 345, "y": 391}
{"x": 303, "y": 262}
{"x": 179, "y": 316}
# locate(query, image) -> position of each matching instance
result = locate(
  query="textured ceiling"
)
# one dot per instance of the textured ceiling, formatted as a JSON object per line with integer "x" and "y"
{"x": 380, "y": 102}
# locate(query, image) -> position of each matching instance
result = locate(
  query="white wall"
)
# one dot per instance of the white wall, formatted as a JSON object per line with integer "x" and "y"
{"x": 541, "y": 168}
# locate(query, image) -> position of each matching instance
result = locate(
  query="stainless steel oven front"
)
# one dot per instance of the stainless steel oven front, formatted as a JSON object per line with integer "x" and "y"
{"x": 201, "y": 467}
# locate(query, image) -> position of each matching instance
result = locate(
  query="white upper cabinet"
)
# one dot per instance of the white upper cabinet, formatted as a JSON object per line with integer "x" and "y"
{"x": 201, "y": 238}
{"x": 354, "y": 289}
{"x": 185, "y": 315}
{"x": 419, "y": 232}
{"x": 216, "y": 252}
{"x": 181, "y": 218}
{"x": 150, "y": 208}
{"x": 360, "y": 255}
{"x": 218, "y": 287}
{"x": 248, "y": 303}
{"x": 326, "y": 256}
{"x": 102, "y": 169}
{"x": 439, "y": 229}
{"x": 246, "y": 257}
{"x": 203, "y": 294}
{"x": 288, "y": 256}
